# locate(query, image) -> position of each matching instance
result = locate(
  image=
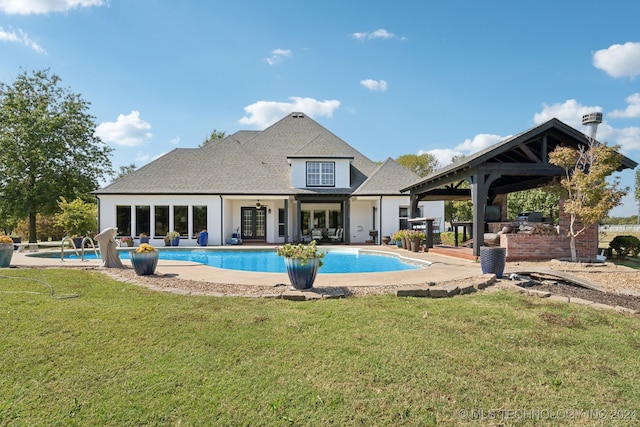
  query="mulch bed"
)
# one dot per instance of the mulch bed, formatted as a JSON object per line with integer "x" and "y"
{"x": 561, "y": 288}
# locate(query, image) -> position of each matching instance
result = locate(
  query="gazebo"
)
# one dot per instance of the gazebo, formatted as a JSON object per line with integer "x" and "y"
{"x": 518, "y": 163}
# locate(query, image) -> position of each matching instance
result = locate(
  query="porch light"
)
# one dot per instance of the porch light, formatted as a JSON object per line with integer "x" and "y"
{"x": 258, "y": 204}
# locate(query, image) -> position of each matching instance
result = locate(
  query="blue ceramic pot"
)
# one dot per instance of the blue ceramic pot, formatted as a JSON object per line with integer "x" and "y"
{"x": 144, "y": 263}
{"x": 6, "y": 252}
{"x": 302, "y": 276}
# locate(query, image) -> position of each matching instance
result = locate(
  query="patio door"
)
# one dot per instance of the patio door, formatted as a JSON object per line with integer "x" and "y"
{"x": 254, "y": 223}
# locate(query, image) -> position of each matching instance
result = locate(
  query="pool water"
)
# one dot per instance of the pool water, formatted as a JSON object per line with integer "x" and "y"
{"x": 270, "y": 262}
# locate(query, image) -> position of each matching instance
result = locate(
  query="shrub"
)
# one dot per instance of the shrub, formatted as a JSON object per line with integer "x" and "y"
{"x": 447, "y": 238}
{"x": 624, "y": 246}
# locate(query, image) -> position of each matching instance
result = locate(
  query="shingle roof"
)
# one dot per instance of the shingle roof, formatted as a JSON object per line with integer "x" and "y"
{"x": 254, "y": 162}
{"x": 389, "y": 178}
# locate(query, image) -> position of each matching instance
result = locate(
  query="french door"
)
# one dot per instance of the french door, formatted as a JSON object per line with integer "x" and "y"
{"x": 254, "y": 223}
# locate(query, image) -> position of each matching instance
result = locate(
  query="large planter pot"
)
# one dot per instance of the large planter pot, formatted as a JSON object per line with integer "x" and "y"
{"x": 175, "y": 242}
{"x": 203, "y": 238}
{"x": 404, "y": 242}
{"x": 492, "y": 260}
{"x": 144, "y": 240}
{"x": 399, "y": 243}
{"x": 6, "y": 252}
{"x": 144, "y": 263}
{"x": 302, "y": 276}
{"x": 415, "y": 245}
{"x": 386, "y": 240}
{"x": 77, "y": 242}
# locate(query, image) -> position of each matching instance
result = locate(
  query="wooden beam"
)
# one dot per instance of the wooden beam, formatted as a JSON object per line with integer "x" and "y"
{"x": 530, "y": 154}
{"x": 520, "y": 169}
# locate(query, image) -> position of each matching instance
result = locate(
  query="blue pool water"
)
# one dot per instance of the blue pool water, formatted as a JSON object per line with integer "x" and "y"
{"x": 269, "y": 261}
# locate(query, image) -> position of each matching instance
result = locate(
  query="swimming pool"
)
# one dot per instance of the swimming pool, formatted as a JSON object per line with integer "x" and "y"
{"x": 335, "y": 261}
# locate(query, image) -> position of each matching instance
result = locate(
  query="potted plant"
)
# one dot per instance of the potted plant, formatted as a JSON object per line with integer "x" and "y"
{"x": 398, "y": 236}
{"x": 127, "y": 241}
{"x": 302, "y": 263}
{"x": 144, "y": 259}
{"x": 174, "y": 238}
{"x": 415, "y": 237}
{"x": 6, "y": 251}
{"x": 144, "y": 238}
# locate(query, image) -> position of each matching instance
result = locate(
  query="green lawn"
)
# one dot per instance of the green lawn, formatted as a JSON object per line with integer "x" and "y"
{"x": 120, "y": 355}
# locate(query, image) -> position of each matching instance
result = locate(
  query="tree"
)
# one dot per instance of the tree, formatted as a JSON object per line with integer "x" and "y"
{"x": 48, "y": 147}
{"x": 589, "y": 196}
{"x": 77, "y": 218}
{"x": 126, "y": 170}
{"x": 214, "y": 135}
{"x": 421, "y": 164}
{"x": 537, "y": 199}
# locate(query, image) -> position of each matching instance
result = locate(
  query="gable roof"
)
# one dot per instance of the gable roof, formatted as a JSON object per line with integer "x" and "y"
{"x": 520, "y": 160}
{"x": 255, "y": 162}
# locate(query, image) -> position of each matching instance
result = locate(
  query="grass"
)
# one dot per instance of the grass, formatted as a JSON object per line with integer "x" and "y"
{"x": 120, "y": 355}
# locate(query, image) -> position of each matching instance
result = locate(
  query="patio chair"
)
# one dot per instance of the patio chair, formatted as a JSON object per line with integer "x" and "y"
{"x": 316, "y": 234}
{"x": 337, "y": 237}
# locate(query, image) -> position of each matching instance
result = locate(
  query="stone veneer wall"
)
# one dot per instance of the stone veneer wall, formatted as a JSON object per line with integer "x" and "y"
{"x": 522, "y": 247}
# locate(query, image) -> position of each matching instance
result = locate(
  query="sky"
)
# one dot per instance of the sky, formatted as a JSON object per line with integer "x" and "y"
{"x": 388, "y": 77}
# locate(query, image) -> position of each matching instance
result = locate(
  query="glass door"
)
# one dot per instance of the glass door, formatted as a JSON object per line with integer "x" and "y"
{"x": 254, "y": 223}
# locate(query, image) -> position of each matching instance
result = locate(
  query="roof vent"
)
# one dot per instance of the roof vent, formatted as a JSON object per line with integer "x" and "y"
{"x": 297, "y": 116}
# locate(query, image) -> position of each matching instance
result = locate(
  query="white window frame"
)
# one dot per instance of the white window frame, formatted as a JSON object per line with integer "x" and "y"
{"x": 321, "y": 174}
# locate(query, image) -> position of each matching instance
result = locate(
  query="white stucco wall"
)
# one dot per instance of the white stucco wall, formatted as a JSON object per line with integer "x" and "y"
{"x": 108, "y": 204}
{"x": 299, "y": 172}
{"x": 224, "y": 214}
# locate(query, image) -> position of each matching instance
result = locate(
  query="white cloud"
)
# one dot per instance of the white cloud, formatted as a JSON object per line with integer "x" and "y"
{"x": 265, "y": 113}
{"x": 277, "y": 55}
{"x": 479, "y": 142}
{"x": 36, "y": 7}
{"x": 374, "y": 85}
{"x": 128, "y": 131}
{"x": 569, "y": 112}
{"x": 377, "y": 34}
{"x": 19, "y": 36}
{"x": 443, "y": 155}
{"x": 632, "y": 110}
{"x": 142, "y": 158}
{"x": 619, "y": 60}
{"x": 175, "y": 141}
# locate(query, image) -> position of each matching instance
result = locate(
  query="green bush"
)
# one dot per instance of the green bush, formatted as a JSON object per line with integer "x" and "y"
{"x": 624, "y": 246}
{"x": 447, "y": 238}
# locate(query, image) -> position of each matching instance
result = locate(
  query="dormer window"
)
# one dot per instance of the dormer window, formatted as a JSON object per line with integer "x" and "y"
{"x": 321, "y": 174}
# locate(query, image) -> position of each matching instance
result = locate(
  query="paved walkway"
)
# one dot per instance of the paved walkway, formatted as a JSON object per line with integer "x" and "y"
{"x": 443, "y": 268}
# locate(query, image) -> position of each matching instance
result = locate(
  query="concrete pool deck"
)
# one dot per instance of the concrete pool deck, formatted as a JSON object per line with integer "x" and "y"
{"x": 443, "y": 268}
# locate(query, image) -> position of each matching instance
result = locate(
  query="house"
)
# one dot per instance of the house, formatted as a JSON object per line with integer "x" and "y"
{"x": 290, "y": 182}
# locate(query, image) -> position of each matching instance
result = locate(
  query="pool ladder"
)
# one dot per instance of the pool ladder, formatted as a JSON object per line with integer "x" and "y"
{"x": 73, "y": 245}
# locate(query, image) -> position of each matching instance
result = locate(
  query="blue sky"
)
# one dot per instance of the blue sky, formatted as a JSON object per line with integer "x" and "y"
{"x": 388, "y": 77}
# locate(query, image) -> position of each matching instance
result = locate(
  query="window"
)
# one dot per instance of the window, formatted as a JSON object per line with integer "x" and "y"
{"x": 161, "y": 218}
{"x": 320, "y": 174}
{"x": 404, "y": 216}
{"x": 281, "y": 227}
{"x": 199, "y": 219}
{"x": 180, "y": 220}
{"x": 403, "y": 213}
{"x": 143, "y": 220}
{"x": 123, "y": 220}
